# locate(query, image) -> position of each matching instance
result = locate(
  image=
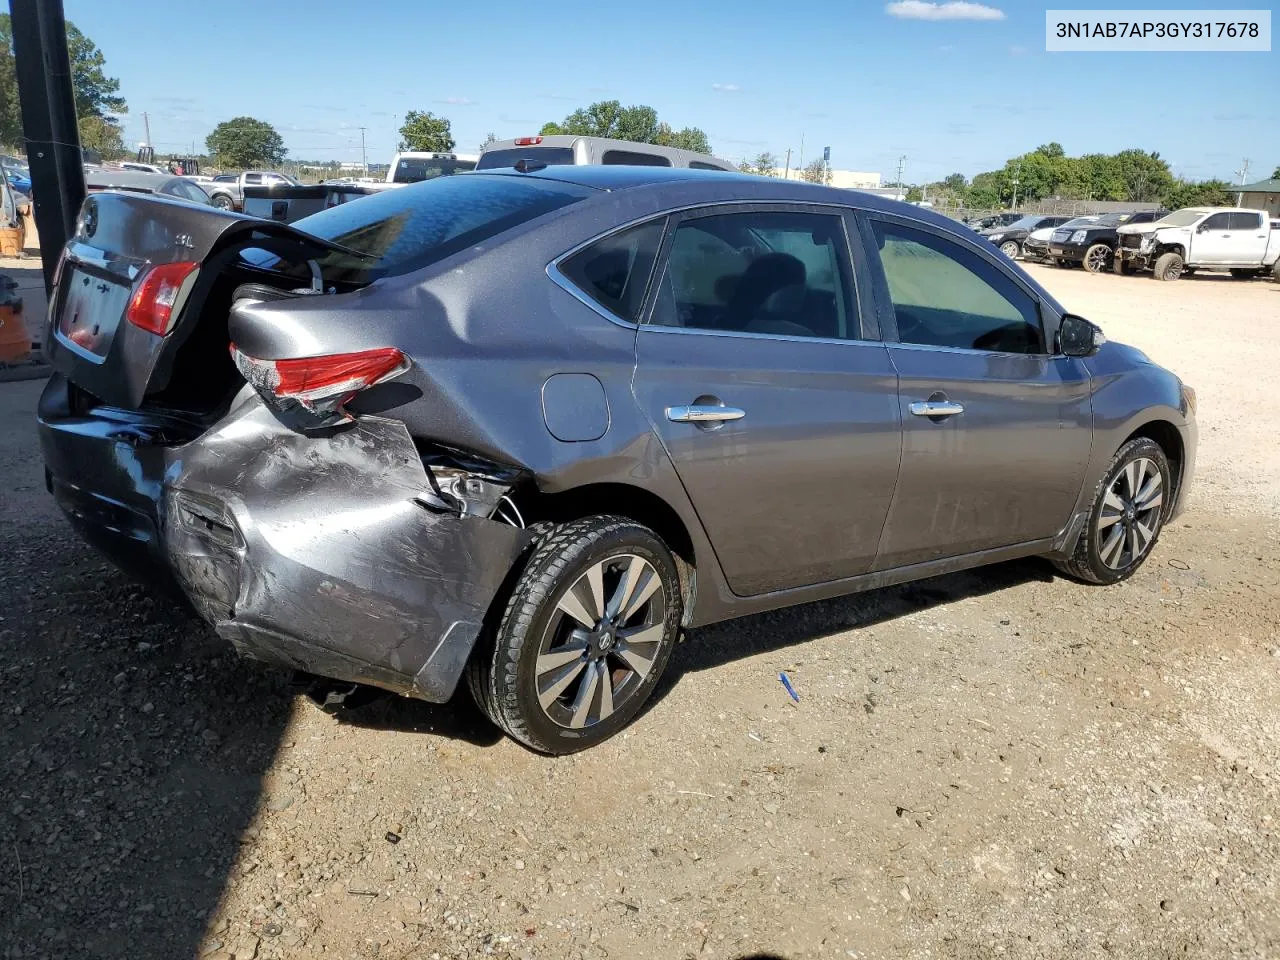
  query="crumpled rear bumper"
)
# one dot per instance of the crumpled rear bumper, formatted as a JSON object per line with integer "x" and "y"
{"x": 311, "y": 551}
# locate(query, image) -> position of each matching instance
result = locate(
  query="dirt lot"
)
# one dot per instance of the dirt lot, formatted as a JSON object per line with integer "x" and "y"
{"x": 998, "y": 763}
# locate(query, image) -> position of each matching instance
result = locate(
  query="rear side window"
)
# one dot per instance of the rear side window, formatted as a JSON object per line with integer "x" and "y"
{"x": 1246, "y": 221}
{"x": 701, "y": 165}
{"x": 634, "y": 158}
{"x": 551, "y": 156}
{"x": 614, "y": 271}
{"x": 409, "y": 228}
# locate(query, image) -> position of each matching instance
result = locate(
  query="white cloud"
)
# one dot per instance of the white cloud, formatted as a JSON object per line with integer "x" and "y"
{"x": 458, "y": 101}
{"x": 726, "y": 87}
{"x": 950, "y": 10}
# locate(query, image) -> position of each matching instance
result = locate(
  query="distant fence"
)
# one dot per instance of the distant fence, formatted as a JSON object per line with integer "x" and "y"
{"x": 1048, "y": 207}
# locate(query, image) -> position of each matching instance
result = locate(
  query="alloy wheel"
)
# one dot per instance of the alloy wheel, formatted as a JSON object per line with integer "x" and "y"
{"x": 1131, "y": 514}
{"x": 1098, "y": 258}
{"x": 603, "y": 639}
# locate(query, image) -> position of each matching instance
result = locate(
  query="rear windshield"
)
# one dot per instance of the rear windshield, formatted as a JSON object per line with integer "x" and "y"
{"x": 406, "y": 229}
{"x": 551, "y": 156}
{"x": 417, "y": 169}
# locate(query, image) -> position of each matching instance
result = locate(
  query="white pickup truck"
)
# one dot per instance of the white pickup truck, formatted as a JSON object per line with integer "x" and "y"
{"x": 1245, "y": 242}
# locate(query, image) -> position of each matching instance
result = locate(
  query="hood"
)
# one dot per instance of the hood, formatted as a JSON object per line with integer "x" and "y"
{"x": 1044, "y": 233}
{"x": 1141, "y": 228}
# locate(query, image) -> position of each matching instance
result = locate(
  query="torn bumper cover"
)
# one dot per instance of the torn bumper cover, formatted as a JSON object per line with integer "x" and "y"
{"x": 312, "y": 552}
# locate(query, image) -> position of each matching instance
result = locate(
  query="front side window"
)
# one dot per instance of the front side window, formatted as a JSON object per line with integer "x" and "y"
{"x": 775, "y": 273}
{"x": 614, "y": 271}
{"x": 253, "y": 178}
{"x": 945, "y": 295}
{"x": 1219, "y": 221}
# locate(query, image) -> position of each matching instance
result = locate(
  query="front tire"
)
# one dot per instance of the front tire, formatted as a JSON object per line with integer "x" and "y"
{"x": 1010, "y": 249}
{"x": 586, "y": 634}
{"x": 1097, "y": 259}
{"x": 222, "y": 202}
{"x": 1168, "y": 266}
{"x": 1128, "y": 513}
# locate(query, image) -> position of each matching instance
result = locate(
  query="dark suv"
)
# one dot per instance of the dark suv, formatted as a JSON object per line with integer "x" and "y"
{"x": 1094, "y": 246}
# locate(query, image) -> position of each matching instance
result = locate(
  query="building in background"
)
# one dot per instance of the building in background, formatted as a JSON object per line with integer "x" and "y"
{"x": 1263, "y": 195}
{"x": 844, "y": 179}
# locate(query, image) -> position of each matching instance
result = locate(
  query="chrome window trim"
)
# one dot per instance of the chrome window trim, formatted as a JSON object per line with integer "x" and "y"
{"x": 698, "y": 331}
{"x": 898, "y": 344}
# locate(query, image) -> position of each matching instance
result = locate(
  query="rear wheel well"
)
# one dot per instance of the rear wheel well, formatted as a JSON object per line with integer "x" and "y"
{"x": 620, "y": 499}
{"x": 1166, "y": 435}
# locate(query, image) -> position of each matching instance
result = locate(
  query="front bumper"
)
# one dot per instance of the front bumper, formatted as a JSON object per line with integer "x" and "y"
{"x": 1060, "y": 251}
{"x": 308, "y": 552}
{"x": 1139, "y": 258}
{"x": 1035, "y": 249}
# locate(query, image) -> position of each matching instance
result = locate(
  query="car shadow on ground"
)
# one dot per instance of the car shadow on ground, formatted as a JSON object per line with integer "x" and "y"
{"x": 709, "y": 647}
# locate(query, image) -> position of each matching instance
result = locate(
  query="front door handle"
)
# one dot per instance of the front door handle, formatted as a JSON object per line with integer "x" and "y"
{"x": 703, "y": 413}
{"x": 935, "y": 408}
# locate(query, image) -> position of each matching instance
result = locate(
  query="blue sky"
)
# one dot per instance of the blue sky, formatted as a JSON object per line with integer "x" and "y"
{"x": 959, "y": 94}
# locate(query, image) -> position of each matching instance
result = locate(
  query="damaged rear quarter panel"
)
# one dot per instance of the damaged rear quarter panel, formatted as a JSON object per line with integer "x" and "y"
{"x": 322, "y": 559}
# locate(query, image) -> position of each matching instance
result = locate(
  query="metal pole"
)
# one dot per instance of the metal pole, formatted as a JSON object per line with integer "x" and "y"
{"x": 43, "y": 69}
{"x": 364, "y": 157}
{"x": 902, "y": 163}
{"x": 1244, "y": 172}
{"x": 786, "y": 171}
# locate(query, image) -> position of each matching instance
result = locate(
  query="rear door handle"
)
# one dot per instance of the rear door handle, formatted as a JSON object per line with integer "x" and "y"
{"x": 703, "y": 413}
{"x": 935, "y": 408}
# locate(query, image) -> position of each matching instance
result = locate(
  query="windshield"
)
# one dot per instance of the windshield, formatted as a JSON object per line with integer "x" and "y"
{"x": 409, "y": 228}
{"x": 1079, "y": 222}
{"x": 551, "y": 156}
{"x": 1024, "y": 223}
{"x": 1180, "y": 218}
{"x": 417, "y": 169}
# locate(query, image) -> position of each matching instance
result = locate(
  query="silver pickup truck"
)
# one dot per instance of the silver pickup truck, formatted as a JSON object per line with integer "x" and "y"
{"x": 226, "y": 191}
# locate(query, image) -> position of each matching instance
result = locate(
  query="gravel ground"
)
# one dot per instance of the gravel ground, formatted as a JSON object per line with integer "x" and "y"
{"x": 996, "y": 763}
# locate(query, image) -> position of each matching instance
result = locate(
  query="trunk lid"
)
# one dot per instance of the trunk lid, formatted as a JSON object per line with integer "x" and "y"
{"x": 119, "y": 238}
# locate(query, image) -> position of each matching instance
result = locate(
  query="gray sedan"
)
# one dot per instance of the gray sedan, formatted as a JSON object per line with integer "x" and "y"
{"x": 524, "y": 427}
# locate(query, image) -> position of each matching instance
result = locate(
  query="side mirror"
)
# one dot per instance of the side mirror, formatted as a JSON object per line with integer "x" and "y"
{"x": 1077, "y": 337}
{"x": 1203, "y": 228}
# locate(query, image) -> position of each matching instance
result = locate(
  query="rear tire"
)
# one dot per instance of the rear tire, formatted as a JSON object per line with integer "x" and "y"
{"x": 1275, "y": 271}
{"x": 222, "y": 202}
{"x": 550, "y": 680}
{"x": 1120, "y": 267}
{"x": 1097, "y": 259}
{"x": 1010, "y": 249}
{"x": 1168, "y": 266}
{"x": 1129, "y": 508}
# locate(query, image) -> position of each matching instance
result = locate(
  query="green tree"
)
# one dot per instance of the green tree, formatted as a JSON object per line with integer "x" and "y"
{"x": 1275, "y": 174}
{"x": 423, "y": 130}
{"x": 245, "y": 142}
{"x": 488, "y": 139}
{"x": 913, "y": 194}
{"x": 1207, "y": 193}
{"x": 765, "y": 165}
{"x": 1051, "y": 150}
{"x": 744, "y": 166}
{"x": 639, "y": 124}
{"x": 96, "y": 94}
{"x": 816, "y": 172}
{"x": 1145, "y": 176}
{"x": 955, "y": 183}
{"x": 101, "y": 134}
{"x": 986, "y": 189}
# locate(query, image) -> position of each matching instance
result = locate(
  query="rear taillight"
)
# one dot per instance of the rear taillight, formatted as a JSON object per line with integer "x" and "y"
{"x": 320, "y": 385}
{"x": 151, "y": 306}
{"x": 528, "y": 141}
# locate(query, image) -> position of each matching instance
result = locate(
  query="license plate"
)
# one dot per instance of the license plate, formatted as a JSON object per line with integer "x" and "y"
{"x": 90, "y": 311}
{"x": 1057, "y": 251}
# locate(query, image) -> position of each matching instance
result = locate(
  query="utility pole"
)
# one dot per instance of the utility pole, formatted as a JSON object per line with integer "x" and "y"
{"x": 902, "y": 165}
{"x": 1017, "y": 172}
{"x": 786, "y": 171}
{"x": 800, "y": 162}
{"x": 1242, "y": 173}
{"x": 146, "y": 125}
{"x": 364, "y": 157}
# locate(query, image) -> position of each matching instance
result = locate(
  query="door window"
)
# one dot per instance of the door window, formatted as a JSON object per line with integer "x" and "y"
{"x": 1219, "y": 221}
{"x": 777, "y": 273}
{"x": 945, "y": 295}
{"x": 614, "y": 271}
{"x": 1246, "y": 221}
